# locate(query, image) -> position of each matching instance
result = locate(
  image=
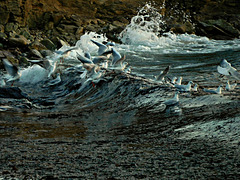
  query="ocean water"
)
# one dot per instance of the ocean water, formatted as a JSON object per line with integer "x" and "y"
{"x": 121, "y": 99}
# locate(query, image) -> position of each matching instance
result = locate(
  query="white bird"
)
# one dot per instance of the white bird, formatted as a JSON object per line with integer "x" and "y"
{"x": 179, "y": 81}
{"x": 184, "y": 87}
{"x": 173, "y": 101}
{"x": 214, "y": 91}
{"x": 117, "y": 61}
{"x": 12, "y": 70}
{"x": 128, "y": 70}
{"x": 225, "y": 68}
{"x": 173, "y": 81}
{"x": 117, "y": 58}
{"x": 230, "y": 87}
{"x": 64, "y": 54}
{"x": 102, "y": 48}
{"x": 195, "y": 88}
{"x": 47, "y": 64}
{"x": 87, "y": 58}
{"x": 104, "y": 64}
{"x": 162, "y": 74}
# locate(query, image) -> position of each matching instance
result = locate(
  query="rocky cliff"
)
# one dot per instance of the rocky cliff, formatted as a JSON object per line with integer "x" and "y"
{"x": 219, "y": 19}
{"x": 42, "y": 24}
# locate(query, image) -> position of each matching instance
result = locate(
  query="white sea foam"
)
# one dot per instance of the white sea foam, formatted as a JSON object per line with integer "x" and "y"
{"x": 85, "y": 43}
{"x": 146, "y": 33}
{"x": 33, "y": 74}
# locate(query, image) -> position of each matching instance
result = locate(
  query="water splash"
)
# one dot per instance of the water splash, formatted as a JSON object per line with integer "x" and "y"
{"x": 144, "y": 28}
{"x": 85, "y": 42}
{"x": 148, "y": 31}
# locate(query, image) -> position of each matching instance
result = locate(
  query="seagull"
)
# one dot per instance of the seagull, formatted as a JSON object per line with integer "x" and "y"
{"x": 214, "y": 91}
{"x": 225, "y": 68}
{"x": 12, "y": 70}
{"x": 65, "y": 54}
{"x": 184, "y": 87}
{"x": 47, "y": 64}
{"x": 117, "y": 60}
{"x": 195, "y": 88}
{"x": 173, "y": 101}
{"x": 96, "y": 59}
{"x": 84, "y": 59}
{"x": 93, "y": 72}
{"x": 179, "y": 81}
{"x": 173, "y": 81}
{"x": 230, "y": 87}
{"x": 162, "y": 74}
{"x": 102, "y": 48}
{"x": 104, "y": 64}
{"x": 128, "y": 70}
{"x": 88, "y": 59}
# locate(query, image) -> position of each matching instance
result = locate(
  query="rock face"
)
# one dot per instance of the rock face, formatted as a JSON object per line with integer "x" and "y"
{"x": 70, "y": 19}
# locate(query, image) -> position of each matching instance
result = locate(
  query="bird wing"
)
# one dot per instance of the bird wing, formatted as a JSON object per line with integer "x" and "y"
{"x": 87, "y": 55}
{"x": 98, "y": 59}
{"x": 70, "y": 49}
{"x": 10, "y": 68}
{"x": 116, "y": 56}
{"x": 119, "y": 61}
{"x": 223, "y": 71}
{"x": 84, "y": 59}
{"x": 164, "y": 73}
{"x": 102, "y": 47}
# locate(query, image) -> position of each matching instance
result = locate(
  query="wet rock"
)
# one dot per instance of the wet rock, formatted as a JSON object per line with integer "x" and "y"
{"x": 59, "y": 42}
{"x": 46, "y": 53}
{"x": 36, "y": 44}
{"x": 3, "y": 37}
{"x": 23, "y": 61}
{"x": 12, "y": 92}
{"x": 25, "y": 32}
{"x": 18, "y": 41}
{"x": 225, "y": 26}
{"x": 186, "y": 27}
{"x": 1, "y": 28}
{"x": 48, "y": 44}
{"x": 11, "y": 27}
{"x": 33, "y": 53}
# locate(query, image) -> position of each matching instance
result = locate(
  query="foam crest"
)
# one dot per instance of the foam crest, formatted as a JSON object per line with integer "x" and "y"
{"x": 85, "y": 43}
{"x": 33, "y": 74}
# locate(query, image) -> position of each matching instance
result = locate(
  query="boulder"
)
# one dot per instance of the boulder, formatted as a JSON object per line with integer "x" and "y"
{"x": 37, "y": 45}
{"x": 11, "y": 27}
{"x": 18, "y": 41}
{"x": 33, "y": 53}
{"x": 225, "y": 26}
{"x": 3, "y": 37}
{"x": 1, "y": 28}
{"x": 217, "y": 29}
{"x": 48, "y": 44}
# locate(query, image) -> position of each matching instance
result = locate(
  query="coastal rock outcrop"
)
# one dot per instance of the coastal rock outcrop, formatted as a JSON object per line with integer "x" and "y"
{"x": 68, "y": 20}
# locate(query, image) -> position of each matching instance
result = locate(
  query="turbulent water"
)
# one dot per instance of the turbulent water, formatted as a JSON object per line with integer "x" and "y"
{"x": 125, "y": 96}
